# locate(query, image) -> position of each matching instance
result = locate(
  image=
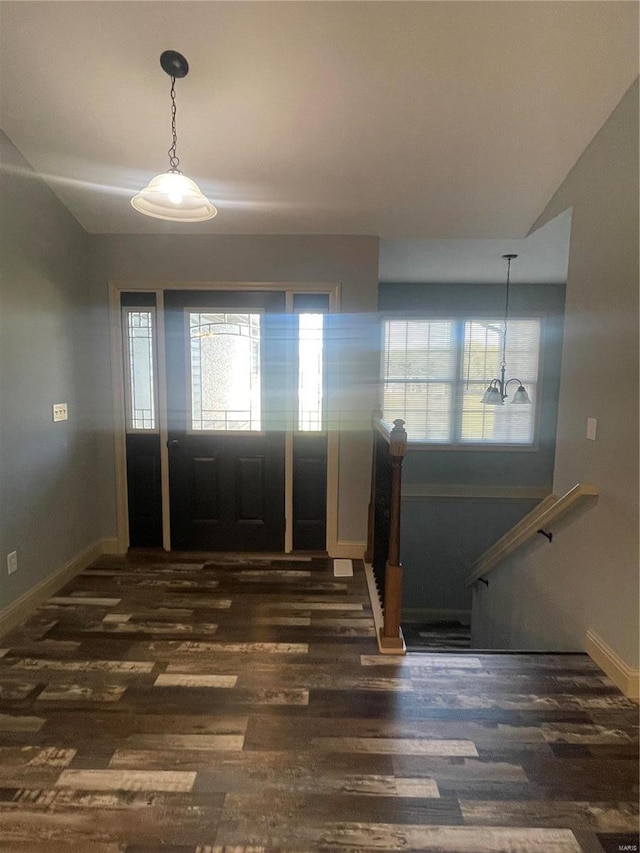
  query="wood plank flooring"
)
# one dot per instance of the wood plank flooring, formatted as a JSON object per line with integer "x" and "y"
{"x": 188, "y": 705}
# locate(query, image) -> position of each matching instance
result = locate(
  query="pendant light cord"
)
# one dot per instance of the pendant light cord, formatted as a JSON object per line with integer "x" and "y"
{"x": 174, "y": 160}
{"x": 506, "y": 317}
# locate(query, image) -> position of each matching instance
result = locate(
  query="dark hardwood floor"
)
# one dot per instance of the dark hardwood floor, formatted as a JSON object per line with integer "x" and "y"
{"x": 187, "y": 705}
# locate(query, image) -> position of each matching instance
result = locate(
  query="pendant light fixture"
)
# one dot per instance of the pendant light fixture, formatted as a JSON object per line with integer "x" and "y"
{"x": 496, "y": 393}
{"x": 172, "y": 195}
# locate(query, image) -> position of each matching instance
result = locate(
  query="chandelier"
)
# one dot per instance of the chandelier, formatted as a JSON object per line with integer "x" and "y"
{"x": 497, "y": 393}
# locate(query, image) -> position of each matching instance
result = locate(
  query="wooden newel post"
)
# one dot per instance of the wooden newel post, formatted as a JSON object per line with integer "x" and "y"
{"x": 371, "y": 517}
{"x": 391, "y": 637}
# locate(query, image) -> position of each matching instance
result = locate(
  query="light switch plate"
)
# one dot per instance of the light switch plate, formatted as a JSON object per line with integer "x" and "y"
{"x": 60, "y": 412}
{"x": 591, "y": 428}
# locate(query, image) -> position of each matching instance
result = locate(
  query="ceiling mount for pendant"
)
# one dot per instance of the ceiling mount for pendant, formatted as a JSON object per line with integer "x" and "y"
{"x": 174, "y": 64}
{"x": 172, "y": 195}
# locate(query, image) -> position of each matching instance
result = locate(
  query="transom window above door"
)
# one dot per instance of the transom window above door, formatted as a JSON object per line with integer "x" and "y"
{"x": 225, "y": 371}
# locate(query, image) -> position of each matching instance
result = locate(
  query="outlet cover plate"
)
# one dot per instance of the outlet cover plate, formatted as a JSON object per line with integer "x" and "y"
{"x": 12, "y": 562}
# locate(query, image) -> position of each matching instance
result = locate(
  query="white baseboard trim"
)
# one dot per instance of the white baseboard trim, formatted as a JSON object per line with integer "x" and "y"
{"x": 33, "y": 598}
{"x": 410, "y": 614}
{"x": 112, "y": 546}
{"x": 376, "y": 609}
{"x": 622, "y": 675}
{"x": 349, "y": 550}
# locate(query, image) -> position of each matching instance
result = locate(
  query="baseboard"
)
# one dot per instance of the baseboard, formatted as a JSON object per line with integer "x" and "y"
{"x": 622, "y": 675}
{"x": 378, "y": 618}
{"x": 412, "y": 614}
{"x": 111, "y": 546}
{"x": 33, "y": 598}
{"x": 349, "y": 550}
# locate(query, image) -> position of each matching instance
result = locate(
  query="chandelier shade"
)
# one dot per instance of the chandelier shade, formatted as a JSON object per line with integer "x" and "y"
{"x": 521, "y": 395}
{"x": 492, "y": 396}
{"x": 171, "y": 195}
{"x": 175, "y": 197}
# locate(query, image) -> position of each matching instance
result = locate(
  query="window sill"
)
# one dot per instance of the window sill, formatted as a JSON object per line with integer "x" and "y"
{"x": 487, "y": 447}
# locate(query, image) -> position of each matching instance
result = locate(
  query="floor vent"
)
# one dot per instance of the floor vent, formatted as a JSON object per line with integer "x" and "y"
{"x": 343, "y": 568}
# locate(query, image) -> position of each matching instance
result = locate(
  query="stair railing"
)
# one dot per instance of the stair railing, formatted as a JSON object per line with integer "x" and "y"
{"x": 540, "y": 517}
{"x": 383, "y": 535}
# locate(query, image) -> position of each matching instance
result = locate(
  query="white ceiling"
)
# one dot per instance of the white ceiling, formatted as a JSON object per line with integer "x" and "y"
{"x": 401, "y": 119}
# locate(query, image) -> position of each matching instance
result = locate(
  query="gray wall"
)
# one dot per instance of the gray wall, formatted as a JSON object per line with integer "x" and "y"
{"x": 350, "y": 261}
{"x": 588, "y": 577}
{"x": 441, "y": 538}
{"x": 48, "y": 499}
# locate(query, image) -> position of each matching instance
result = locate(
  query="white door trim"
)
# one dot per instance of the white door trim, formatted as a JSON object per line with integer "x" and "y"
{"x": 117, "y": 287}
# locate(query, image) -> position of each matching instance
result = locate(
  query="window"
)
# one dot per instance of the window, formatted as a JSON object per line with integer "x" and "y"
{"x": 435, "y": 371}
{"x": 310, "y": 345}
{"x": 140, "y": 396}
{"x": 225, "y": 371}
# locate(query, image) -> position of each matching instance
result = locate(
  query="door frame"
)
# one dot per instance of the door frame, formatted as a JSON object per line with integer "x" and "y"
{"x": 118, "y": 396}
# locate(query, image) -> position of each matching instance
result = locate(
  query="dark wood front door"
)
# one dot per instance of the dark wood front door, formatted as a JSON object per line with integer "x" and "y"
{"x": 226, "y": 355}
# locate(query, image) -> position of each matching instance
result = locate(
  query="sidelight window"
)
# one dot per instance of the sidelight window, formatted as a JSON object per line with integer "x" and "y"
{"x": 310, "y": 374}
{"x": 140, "y": 382}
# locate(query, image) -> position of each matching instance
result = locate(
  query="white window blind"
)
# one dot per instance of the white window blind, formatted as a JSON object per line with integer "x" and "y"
{"x": 434, "y": 373}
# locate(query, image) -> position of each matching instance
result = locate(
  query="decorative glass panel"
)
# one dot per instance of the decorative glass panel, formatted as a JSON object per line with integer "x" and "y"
{"x": 225, "y": 371}
{"x": 141, "y": 404}
{"x": 310, "y": 342}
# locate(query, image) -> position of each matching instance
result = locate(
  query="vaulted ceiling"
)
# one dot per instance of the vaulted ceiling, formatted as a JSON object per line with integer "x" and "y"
{"x": 401, "y": 119}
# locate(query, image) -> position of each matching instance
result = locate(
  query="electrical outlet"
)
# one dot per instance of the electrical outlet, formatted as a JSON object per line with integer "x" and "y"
{"x": 591, "y": 428}
{"x": 12, "y": 562}
{"x": 60, "y": 412}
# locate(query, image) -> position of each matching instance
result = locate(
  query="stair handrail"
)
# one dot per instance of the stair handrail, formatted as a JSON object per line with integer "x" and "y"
{"x": 547, "y": 511}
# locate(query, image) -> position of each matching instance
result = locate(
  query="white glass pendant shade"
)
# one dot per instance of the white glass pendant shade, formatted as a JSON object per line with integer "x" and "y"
{"x": 175, "y": 197}
{"x": 521, "y": 395}
{"x": 492, "y": 396}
